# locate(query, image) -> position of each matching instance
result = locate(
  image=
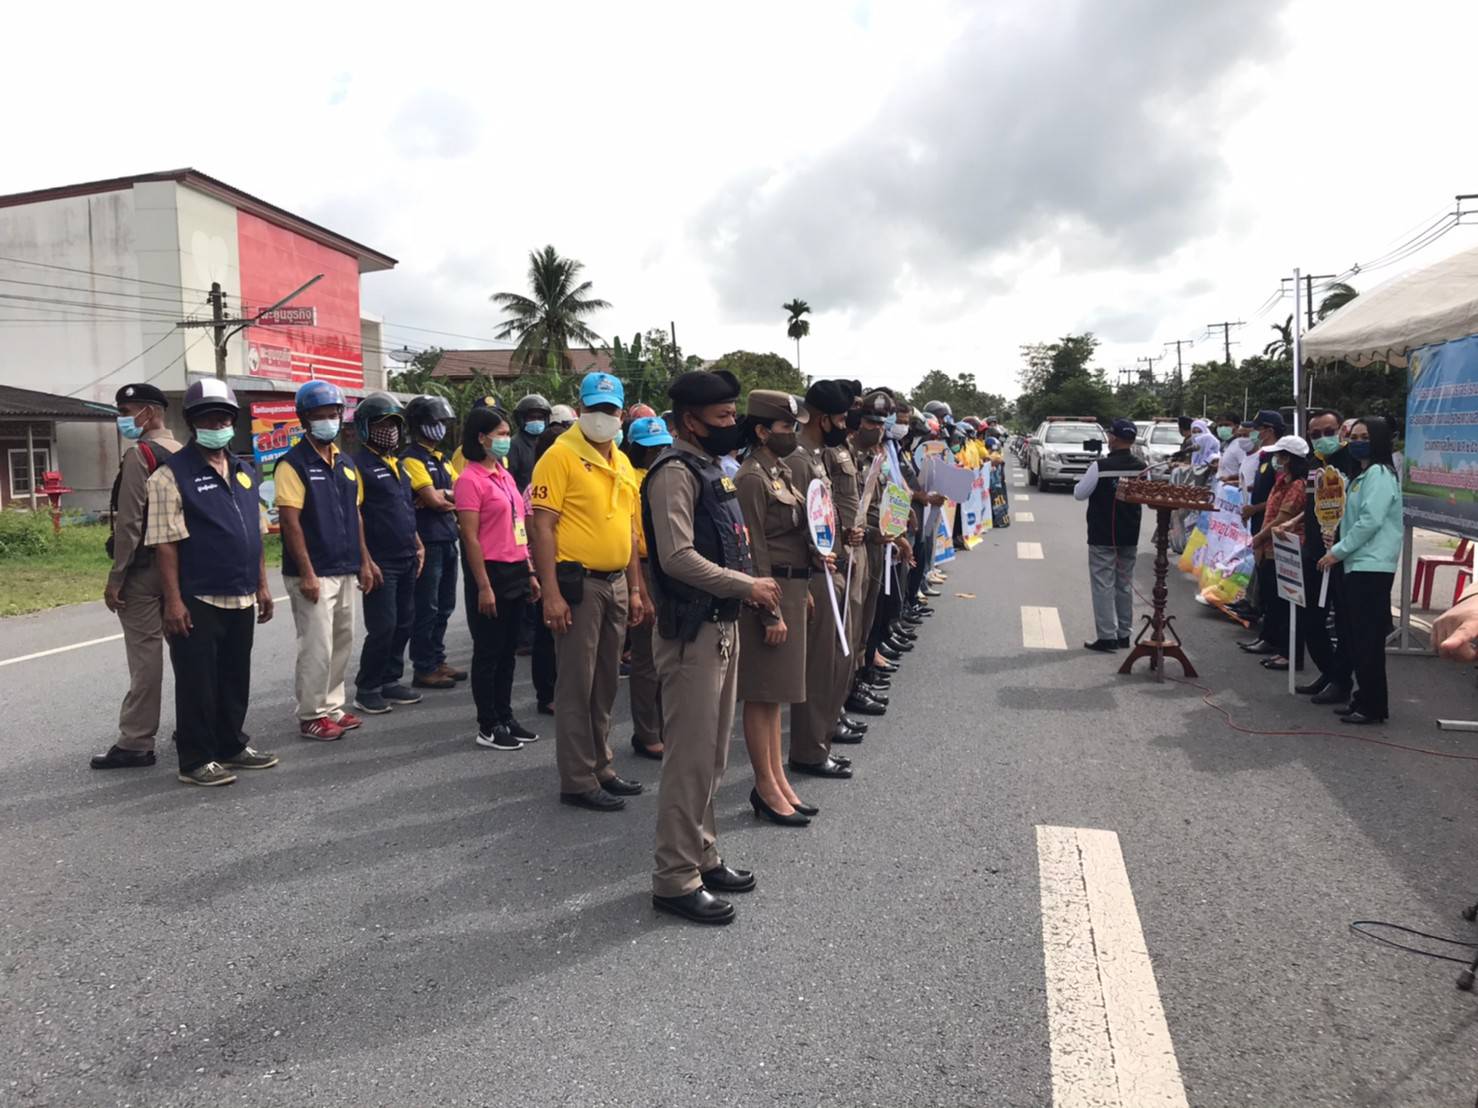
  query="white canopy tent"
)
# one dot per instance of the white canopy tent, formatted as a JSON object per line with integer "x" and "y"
{"x": 1430, "y": 305}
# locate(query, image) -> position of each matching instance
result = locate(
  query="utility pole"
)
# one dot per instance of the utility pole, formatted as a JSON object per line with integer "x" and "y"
{"x": 1179, "y": 374}
{"x": 1226, "y": 334}
{"x": 1151, "y": 363}
{"x": 1308, "y": 280}
{"x": 218, "y": 321}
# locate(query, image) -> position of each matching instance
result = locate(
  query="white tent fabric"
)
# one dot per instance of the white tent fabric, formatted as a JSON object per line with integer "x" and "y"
{"x": 1430, "y": 305}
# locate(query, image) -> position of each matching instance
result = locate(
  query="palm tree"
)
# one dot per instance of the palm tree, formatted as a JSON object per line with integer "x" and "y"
{"x": 1282, "y": 346}
{"x": 1338, "y": 295}
{"x": 796, "y": 327}
{"x": 552, "y": 321}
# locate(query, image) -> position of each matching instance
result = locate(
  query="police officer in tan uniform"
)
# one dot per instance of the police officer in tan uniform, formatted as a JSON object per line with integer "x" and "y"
{"x": 827, "y": 672}
{"x": 699, "y": 561}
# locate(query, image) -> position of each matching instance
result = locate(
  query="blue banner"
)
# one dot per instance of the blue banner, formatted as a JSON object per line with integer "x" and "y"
{"x": 1439, "y": 474}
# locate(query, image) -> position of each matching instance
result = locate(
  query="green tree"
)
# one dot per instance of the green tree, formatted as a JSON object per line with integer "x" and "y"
{"x": 960, "y": 392}
{"x": 1281, "y": 348}
{"x": 551, "y": 322}
{"x": 1336, "y": 296}
{"x": 796, "y": 327}
{"x": 1056, "y": 379}
{"x": 762, "y": 371}
{"x": 416, "y": 376}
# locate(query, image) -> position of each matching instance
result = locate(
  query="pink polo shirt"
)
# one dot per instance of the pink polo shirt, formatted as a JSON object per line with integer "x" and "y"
{"x": 501, "y": 516}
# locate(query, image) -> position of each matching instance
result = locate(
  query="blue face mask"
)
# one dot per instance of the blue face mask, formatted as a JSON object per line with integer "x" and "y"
{"x": 128, "y": 428}
{"x": 324, "y": 430}
{"x": 534, "y": 426}
{"x": 1360, "y": 450}
{"x": 217, "y": 439}
{"x": 619, "y": 436}
{"x": 1326, "y": 445}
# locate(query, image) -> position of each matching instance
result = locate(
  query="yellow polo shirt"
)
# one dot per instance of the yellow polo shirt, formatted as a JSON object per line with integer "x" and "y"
{"x": 421, "y": 476}
{"x": 290, "y": 491}
{"x": 596, "y": 500}
{"x": 641, "y": 535}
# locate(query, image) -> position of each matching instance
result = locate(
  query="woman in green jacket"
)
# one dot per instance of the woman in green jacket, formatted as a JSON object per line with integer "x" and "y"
{"x": 1369, "y": 545}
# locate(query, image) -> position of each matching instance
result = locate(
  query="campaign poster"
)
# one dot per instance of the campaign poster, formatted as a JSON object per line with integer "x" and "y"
{"x": 1218, "y": 553}
{"x": 1000, "y": 508}
{"x": 944, "y": 543}
{"x": 1439, "y": 482}
{"x": 893, "y": 510}
{"x": 820, "y": 516}
{"x": 1288, "y": 564}
{"x": 274, "y": 431}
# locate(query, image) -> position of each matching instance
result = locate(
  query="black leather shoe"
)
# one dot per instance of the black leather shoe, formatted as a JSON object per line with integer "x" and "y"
{"x": 864, "y": 705}
{"x": 1313, "y": 688}
{"x": 899, "y": 644}
{"x": 1103, "y": 646}
{"x": 1346, "y": 709}
{"x": 764, "y": 811}
{"x": 1262, "y": 648}
{"x": 644, "y": 751}
{"x": 900, "y": 632}
{"x": 873, "y": 679}
{"x": 852, "y": 725}
{"x": 871, "y": 693}
{"x": 1333, "y": 694}
{"x": 724, "y": 878}
{"x": 1122, "y": 644}
{"x": 700, "y": 906}
{"x": 116, "y": 757}
{"x": 619, "y": 786}
{"x": 887, "y": 669}
{"x": 846, "y": 736}
{"x": 597, "y": 800}
{"x": 546, "y": 709}
{"x": 888, "y": 652}
{"x": 829, "y": 768}
{"x": 841, "y": 760}
{"x": 806, "y": 809}
{"x": 1360, "y": 718}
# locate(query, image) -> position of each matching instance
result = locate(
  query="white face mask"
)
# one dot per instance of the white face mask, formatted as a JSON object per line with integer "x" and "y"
{"x": 898, "y": 431}
{"x": 599, "y": 427}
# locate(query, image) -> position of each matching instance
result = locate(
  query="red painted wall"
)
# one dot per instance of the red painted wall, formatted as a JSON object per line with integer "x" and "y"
{"x": 275, "y": 261}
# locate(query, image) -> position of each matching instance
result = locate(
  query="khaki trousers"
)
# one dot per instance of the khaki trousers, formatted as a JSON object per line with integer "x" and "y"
{"x": 699, "y": 682}
{"x": 325, "y": 642}
{"x": 858, "y": 622}
{"x": 588, "y": 658}
{"x": 646, "y": 693}
{"x": 142, "y": 619}
{"x": 813, "y": 723}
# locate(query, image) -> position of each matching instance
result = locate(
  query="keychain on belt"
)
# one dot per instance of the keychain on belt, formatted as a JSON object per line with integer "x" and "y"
{"x": 725, "y": 646}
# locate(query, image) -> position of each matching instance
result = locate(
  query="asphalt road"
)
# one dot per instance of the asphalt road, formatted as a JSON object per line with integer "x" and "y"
{"x": 403, "y": 918}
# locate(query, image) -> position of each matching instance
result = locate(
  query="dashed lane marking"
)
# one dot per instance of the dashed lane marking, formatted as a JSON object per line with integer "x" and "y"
{"x": 79, "y": 645}
{"x": 1023, "y": 498}
{"x": 1041, "y": 629}
{"x": 1024, "y": 517}
{"x": 1111, "y": 1046}
{"x": 1029, "y": 551}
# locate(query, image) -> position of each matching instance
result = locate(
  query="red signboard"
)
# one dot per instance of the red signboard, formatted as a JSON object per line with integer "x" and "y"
{"x": 274, "y": 261}
{"x": 290, "y": 316}
{"x": 263, "y": 360}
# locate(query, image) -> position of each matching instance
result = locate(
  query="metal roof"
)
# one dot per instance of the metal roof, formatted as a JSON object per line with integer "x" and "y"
{"x": 27, "y": 404}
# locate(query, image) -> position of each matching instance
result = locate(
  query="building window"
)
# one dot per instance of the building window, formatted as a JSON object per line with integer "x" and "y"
{"x": 20, "y": 476}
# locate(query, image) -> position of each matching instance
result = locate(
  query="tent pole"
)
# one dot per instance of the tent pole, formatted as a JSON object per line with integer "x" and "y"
{"x": 1298, "y": 413}
{"x": 1407, "y": 546}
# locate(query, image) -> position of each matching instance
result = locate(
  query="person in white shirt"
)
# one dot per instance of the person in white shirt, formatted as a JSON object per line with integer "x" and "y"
{"x": 1234, "y": 449}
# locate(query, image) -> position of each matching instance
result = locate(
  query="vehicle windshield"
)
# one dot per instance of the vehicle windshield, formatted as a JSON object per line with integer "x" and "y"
{"x": 1073, "y": 432}
{"x": 1166, "y": 434}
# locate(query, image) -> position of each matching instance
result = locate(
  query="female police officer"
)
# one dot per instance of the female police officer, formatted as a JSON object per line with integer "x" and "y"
{"x": 773, "y": 644}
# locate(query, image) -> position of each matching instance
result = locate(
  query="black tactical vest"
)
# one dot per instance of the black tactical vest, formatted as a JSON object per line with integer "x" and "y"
{"x": 719, "y": 535}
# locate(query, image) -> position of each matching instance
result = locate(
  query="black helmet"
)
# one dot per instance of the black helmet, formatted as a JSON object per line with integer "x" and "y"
{"x": 373, "y": 408}
{"x": 429, "y": 409}
{"x": 940, "y": 410}
{"x": 533, "y": 402}
{"x": 209, "y": 395}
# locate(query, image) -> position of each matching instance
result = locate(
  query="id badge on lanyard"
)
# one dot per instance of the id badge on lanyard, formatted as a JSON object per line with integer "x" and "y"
{"x": 520, "y": 533}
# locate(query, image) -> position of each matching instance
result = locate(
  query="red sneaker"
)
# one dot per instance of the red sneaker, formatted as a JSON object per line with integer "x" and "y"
{"x": 323, "y": 729}
{"x": 347, "y": 721}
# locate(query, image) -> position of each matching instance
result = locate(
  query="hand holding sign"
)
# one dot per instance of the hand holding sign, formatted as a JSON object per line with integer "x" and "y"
{"x": 821, "y": 518}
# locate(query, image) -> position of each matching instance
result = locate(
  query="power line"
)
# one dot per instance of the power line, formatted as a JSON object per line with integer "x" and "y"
{"x": 105, "y": 276}
{"x": 125, "y": 365}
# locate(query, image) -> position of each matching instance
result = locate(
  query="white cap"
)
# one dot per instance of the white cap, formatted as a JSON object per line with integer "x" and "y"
{"x": 1290, "y": 444}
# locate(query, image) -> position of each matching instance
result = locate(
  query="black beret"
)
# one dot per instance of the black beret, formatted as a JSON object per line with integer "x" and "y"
{"x": 140, "y": 394}
{"x": 830, "y": 397}
{"x": 699, "y": 387}
{"x": 855, "y": 387}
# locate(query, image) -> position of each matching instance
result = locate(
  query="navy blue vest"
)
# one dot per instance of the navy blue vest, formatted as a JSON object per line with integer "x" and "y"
{"x": 222, "y": 556}
{"x": 434, "y": 526}
{"x": 330, "y": 512}
{"x": 388, "y": 509}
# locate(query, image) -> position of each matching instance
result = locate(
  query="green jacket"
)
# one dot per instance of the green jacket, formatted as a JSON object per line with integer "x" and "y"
{"x": 1370, "y": 530}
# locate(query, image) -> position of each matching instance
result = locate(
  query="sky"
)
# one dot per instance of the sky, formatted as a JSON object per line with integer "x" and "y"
{"x": 942, "y": 181}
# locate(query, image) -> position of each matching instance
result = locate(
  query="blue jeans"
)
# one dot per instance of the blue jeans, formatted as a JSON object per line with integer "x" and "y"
{"x": 436, "y": 597}
{"x": 389, "y": 615}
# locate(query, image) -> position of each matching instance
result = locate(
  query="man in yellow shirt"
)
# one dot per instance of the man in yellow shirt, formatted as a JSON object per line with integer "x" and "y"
{"x": 585, "y": 499}
{"x": 428, "y": 419}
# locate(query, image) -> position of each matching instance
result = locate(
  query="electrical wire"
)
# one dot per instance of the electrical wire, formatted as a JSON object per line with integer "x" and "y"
{"x": 1362, "y": 927}
{"x": 105, "y": 276}
{"x": 125, "y": 365}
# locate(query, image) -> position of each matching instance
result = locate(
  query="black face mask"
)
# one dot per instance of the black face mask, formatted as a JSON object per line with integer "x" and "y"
{"x": 869, "y": 437}
{"x": 782, "y": 445}
{"x": 719, "y": 441}
{"x": 834, "y": 436}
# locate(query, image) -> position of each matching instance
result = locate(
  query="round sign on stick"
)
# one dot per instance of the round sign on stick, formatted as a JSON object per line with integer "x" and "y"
{"x": 820, "y": 516}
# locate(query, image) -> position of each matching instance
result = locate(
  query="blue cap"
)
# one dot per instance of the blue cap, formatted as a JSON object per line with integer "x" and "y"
{"x": 1124, "y": 429}
{"x": 601, "y": 388}
{"x": 649, "y": 431}
{"x": 1269, "y": 418}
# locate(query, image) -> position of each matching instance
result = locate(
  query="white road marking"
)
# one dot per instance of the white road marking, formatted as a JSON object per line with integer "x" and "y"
{"x": 1111, "y": 1047}
{"x": 1023, "y": 499}
{"x": 1029, "y": 551}
{"x": 80, "y": 645}
{"x": 1024, "y": 517}
{"x": 1041, "y": 629}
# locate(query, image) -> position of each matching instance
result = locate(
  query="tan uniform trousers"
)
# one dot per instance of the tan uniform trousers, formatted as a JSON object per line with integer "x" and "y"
{"x": 699, "y": 682}
{"x": 588, "y": 658}
{"x": 858, "y": 622}
{"x": 142, "y": 619}
{"x": 813, "y": 723}
{"x": 325, "y": 640}
{"x": 646, "y": 694}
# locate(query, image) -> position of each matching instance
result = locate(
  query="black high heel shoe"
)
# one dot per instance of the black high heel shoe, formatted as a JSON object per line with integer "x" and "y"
{"x": 806, "y": 809}
{"x": 764, "y": 811}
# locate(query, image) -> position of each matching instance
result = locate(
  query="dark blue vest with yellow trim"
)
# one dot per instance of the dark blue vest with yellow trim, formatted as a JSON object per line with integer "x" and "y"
{"x": 223, "y": 555}
{"x": 434, "y": 526}
{"x": 330, "y": 512}
{"x": 389, "y": 508}
{"x": 719, "y": 535}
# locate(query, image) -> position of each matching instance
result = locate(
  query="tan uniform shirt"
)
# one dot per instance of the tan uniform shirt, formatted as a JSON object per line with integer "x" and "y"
{"x": 674, "y": 488}
{"x": 133, "y": 496}
{"x": 775, "y": 513}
